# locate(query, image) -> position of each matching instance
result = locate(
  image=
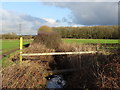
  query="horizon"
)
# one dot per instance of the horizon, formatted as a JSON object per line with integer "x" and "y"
{"x": 32, "y": 15}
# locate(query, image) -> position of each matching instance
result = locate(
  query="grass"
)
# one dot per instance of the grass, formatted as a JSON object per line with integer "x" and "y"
{"x": 7, "y": 45}
{"x": 95, "y": 70}
{"x": 102, "y": 41}
{"x": 7, "y": 61}
{"x": 11, "y": 43}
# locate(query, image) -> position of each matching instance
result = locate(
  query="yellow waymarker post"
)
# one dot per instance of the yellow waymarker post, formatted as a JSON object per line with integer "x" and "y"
{"x": 21, "y": 47}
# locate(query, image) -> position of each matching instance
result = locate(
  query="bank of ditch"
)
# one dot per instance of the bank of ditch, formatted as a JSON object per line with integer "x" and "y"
{"x": 88, "y": 70}
{"x": 23, "y": 73}
{"x": 100, "y": 70}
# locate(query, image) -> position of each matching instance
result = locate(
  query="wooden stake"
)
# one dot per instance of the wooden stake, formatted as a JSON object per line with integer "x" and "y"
{"x": 21, "y": 47}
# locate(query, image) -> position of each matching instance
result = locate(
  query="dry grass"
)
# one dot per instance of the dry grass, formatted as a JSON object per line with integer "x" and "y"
{"x": 93, "y": 70}
{"x": 38, "y": 48}
{"x": 66, "y": 47}
{"x": 49, "y": 39}
{"x": 99, "y": 70}
{"x": 30, "y": 74}
{"x": 71, "y": 61}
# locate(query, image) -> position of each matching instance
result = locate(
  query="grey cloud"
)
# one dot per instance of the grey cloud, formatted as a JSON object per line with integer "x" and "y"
{"x": 64, "y": 19}
{"x": 58, "y": 21}
{"x": 31, "y": 18}
{"x": 91, "y": 13}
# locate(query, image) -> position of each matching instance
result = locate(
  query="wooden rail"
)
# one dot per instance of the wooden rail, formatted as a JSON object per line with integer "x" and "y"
{"x": 57, "y": 53}
{"x": 52, "y": 53}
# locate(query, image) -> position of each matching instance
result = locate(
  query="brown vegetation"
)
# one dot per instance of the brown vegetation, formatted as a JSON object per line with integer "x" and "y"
{"x": 98, "y": 70}
{"x": 31, "y": 73}
{"x": 92, "y": 70}
{"x": 47, "y": 37}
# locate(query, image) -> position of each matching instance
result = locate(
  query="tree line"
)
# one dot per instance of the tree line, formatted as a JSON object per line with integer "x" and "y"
{"x": 15, "y": 36}
{"x": 89, "y": 32}
{"x": 86, "y": 32}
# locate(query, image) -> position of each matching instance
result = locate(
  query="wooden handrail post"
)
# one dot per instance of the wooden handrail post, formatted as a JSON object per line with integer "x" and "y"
{"x": 21, "y": 47}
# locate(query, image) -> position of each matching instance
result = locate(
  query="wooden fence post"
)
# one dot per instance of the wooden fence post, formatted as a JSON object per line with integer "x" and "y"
{"x": 21, "y": 47}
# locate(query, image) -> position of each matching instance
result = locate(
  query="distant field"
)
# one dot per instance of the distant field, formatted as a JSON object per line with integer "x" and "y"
{"x": 6, "y": 45}
{"x": 10, "y": 44}
{"x": 107, "y": 41}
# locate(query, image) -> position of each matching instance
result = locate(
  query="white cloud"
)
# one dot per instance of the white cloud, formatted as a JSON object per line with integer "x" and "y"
{"x": 49, "y": 20}
{"x": 29, "y": 24}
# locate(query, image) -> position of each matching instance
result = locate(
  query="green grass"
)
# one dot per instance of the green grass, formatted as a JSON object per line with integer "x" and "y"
{"x": 6, "y": 61}
{"x": 107, "y": 41}
{"x": 7, "y": 45}
{"x": 12, "y": 43}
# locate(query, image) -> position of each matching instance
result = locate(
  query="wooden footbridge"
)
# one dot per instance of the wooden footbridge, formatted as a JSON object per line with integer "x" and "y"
{"x": 54, "y": 53}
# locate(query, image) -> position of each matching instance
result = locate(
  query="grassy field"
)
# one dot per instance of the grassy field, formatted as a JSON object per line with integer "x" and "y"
{"x": 11, "y": 44}
{"x": 107, "y": 41}
{"x": 7, "y": 45}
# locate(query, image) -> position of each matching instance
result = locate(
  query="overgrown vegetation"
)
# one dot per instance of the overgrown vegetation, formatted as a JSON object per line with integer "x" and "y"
{"x": 47, "y": 37}
{"x": 31, "y": 73}
{"x": 89, "y": 32}
{"x": 28, "y": 75}
{"x": 99, "y": 70}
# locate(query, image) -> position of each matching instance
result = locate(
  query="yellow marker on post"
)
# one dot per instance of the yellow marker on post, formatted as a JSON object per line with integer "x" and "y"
{"x": 21, "y": 47}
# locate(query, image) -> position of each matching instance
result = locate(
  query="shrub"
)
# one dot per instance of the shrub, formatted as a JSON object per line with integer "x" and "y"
{"x": 47, "y": 37}
{"x": 44, "y": 29}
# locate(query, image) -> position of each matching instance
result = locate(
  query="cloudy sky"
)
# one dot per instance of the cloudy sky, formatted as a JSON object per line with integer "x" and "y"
{"x": 32, "y": 15}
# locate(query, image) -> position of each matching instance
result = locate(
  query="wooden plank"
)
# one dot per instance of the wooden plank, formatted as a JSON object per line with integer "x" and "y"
{"x": 57, "y": 53}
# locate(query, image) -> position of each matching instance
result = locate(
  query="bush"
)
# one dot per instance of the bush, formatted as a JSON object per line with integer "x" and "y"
{"x": 44, "y": 29}
{"x": 47, "y": 37}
